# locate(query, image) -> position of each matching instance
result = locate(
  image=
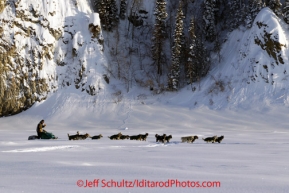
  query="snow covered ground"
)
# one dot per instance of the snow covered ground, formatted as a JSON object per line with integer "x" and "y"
{"x": 253, "y": 157}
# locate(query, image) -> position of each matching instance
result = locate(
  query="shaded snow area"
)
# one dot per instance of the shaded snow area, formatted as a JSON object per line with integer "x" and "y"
{"x": 253, "y": 156}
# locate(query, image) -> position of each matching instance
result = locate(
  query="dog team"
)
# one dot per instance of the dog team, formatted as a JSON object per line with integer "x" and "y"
{"x": 142, "y": 137}
{"x": 42, "y": 134}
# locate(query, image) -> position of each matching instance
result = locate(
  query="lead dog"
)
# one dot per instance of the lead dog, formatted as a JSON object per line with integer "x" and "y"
{"x": 189, "y": 139}
{"x": 210, "y": 139}
{"x": 219, "y": 139}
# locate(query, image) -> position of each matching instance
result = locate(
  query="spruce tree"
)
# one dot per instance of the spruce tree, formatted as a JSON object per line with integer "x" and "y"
{"x": 122, "y": 9}
{"x": 286, "y": 11}
{"x": 275, "y": 6}
{"x": 253, "y": 8}
{"x": 191, "y": 72}
{"x": 209, "y": 19}
{"x": 159, "y": 34}
{"x": 174, "y": 76}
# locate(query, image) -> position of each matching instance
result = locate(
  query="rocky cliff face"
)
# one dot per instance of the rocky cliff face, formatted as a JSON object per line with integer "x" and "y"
{"x": 44, "y": 46}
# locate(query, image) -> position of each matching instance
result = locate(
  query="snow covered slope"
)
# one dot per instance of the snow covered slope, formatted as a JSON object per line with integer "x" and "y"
{"x": 253, "y": 71}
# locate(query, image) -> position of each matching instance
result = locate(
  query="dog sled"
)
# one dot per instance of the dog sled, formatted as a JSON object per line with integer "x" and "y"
{"x": 44, "y": 135}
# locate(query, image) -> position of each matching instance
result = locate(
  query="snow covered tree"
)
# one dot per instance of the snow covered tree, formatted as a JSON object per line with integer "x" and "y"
{"x": 237, "y": 14}
{"x": 191, "y": 72}
{"x": 209, "y": 19}
{"x": 286, "y": 11}
{"x": 122, "y": 9}
{"x": 174, "y": 76}
{"x": 253, "y": 8}
{"x": 275, "y": 6}
{"x": 198, "y": 62}
{"x": 159, "y": 34}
